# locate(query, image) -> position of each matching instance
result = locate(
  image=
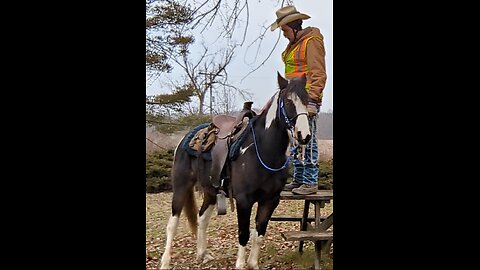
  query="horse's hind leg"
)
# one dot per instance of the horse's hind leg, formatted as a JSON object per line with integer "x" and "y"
{"x": 203, "y": 219}
{"x": 171, "y": 231}
{"x": 264, "y": 212}
{"x": 183, "y": 196}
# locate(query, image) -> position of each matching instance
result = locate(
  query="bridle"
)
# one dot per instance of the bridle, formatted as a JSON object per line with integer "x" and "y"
{"x": 288, "y": 122}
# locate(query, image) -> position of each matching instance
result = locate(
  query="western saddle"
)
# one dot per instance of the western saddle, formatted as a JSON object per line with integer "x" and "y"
{"x": 218, "y": 138}
{"x": 229, "y": 130}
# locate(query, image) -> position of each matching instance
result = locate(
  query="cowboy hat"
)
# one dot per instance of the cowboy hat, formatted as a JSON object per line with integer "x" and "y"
{"x": 287, "y": 14}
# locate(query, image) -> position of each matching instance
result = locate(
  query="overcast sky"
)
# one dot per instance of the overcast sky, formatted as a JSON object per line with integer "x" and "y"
{"x": 263, "y": 82}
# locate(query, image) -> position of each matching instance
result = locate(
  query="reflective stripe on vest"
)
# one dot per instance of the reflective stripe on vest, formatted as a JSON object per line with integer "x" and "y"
{"x": 295, "y": 62}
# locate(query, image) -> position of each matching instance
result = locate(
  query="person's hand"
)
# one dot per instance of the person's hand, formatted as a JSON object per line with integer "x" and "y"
{"x": 313, "y": 108}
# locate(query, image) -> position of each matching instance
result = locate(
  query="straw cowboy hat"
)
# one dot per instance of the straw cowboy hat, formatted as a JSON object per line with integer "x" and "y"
{"x": 287, "y": 14}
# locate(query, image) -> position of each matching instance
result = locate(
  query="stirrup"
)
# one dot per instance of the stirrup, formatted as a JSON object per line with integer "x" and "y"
{"x": 216, "y": 183}
{"x": 221, "y": 203}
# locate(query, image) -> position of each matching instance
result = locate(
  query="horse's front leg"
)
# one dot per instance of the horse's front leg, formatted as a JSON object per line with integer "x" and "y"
{"x": 264, "y": 212}
{"x": 203, "y": 220}
{"x": 244, "y": 209}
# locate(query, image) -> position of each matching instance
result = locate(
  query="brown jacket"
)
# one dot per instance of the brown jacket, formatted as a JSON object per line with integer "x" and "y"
{"x": 315, "y": 56}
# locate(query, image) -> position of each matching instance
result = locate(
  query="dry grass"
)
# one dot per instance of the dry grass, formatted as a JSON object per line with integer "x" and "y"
{"x": 222, "y": 238}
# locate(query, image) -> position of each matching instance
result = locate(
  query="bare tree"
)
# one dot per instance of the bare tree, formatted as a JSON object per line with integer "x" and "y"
{"x": 229, "y": 13}
{"x": 165, "y": 25}
{"x": 225, "y": 101}
{"x": 177, "y": 17}
{"x": 208, "y": 73}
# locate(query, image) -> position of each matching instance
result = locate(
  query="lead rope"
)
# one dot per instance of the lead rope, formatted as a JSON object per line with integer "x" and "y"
{"x": 285, "y": 165}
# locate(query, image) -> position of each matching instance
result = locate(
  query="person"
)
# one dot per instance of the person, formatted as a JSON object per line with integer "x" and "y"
{"x": 305, "y": 54}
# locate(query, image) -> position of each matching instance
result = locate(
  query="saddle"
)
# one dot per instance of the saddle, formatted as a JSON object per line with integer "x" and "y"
{"x": 229, "y": 130}
{"x": 224, "y": 128}
{"x": 220, "y": 139}
{"x": 217, "y": 138}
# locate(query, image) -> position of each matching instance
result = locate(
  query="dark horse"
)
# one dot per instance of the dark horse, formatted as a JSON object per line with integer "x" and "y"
{"x": 257, "y": 175}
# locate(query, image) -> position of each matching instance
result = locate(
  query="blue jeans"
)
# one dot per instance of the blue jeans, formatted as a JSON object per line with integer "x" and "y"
{"x": 306, "y": 172}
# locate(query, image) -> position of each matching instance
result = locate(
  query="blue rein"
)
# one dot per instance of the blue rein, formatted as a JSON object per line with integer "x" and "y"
{"x": 280, "y": 110}
{"x": 285, "y": 165}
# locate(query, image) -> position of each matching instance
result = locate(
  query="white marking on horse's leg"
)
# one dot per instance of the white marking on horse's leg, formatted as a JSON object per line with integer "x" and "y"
{"x": 253, "y": 235}
{"x": 257, "y": 242}
{"x": 202, "y": 234}
{"x": 171, "y": 230}
{"x": 240, "y": 264}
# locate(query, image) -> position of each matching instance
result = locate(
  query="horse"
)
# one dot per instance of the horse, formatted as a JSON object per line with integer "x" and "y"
{"x": 257, "y": 175}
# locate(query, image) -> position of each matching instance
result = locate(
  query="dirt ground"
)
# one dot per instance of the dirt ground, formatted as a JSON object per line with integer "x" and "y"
{"x": 222, "y": 238}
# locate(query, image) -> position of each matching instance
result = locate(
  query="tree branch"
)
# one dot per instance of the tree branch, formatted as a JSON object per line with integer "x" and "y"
{"x": 265, "y": 60}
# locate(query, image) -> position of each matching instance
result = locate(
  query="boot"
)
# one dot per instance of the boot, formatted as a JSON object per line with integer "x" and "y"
{"x": 292, "y": 185}
{"x": 305, "y": 189}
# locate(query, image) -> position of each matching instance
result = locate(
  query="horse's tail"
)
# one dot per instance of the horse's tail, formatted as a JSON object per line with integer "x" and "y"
{"x": 190, "y": 208}
{"x": 183, "y": 199}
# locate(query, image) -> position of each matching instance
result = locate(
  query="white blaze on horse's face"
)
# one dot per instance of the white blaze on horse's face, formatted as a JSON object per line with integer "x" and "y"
{"x": 302, "y": 128}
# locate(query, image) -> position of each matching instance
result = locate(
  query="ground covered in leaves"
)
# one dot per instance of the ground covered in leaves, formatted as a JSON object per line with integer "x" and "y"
{"x": 222, "y": 238}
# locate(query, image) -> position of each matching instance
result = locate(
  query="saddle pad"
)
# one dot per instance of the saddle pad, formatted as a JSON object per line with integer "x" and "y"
{"x": 185, "y": 144}
{"x": 204, "y": 139}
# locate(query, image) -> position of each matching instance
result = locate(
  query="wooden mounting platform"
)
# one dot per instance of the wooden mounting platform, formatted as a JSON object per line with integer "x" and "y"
{"x": 307, "y": 235}
{"x": 281, "y": 218}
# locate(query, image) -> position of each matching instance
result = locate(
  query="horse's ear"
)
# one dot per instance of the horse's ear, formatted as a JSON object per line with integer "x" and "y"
{"x": 282, "y": 83}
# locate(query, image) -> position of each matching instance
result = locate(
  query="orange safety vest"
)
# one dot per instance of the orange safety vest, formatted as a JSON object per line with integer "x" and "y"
{"x": 295, "y": 62}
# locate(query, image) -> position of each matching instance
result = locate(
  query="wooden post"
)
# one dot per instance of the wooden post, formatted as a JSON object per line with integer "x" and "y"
{"x": 318, "y": 255}
{"x": 318, "y": 244}
{"x": 303, "y": 223}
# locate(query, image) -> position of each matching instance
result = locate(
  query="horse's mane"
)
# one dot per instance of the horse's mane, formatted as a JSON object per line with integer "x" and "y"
{"x": 296, "y": 86}
{"x": 267, "y": 106}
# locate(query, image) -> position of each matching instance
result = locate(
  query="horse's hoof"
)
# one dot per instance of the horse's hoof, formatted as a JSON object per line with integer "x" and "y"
{"x": 164, "y": 267}
{"x": 240, "y": 266}
{"x": 207, "y": 258}
{"x": 252, "y": 265}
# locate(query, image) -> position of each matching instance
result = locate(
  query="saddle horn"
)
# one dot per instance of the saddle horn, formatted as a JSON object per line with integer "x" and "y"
{"x": 247, "y": 105}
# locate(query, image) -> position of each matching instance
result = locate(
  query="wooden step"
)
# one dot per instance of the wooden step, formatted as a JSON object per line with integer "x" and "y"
{"x": 307, "y": 235}
{"x": 310, "y": 219}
